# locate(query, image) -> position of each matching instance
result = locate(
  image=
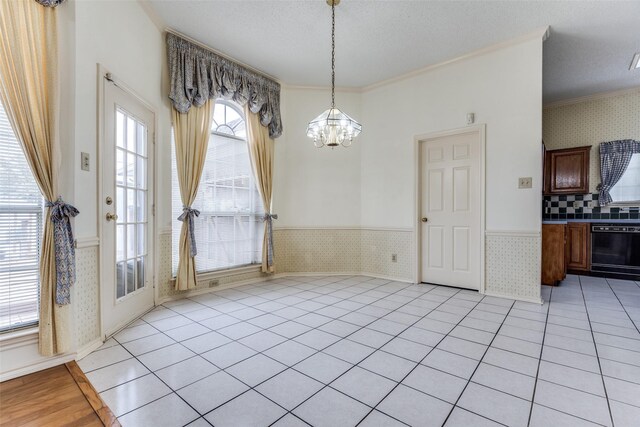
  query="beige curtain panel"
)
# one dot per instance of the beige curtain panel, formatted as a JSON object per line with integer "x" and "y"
{"x": 29, "y": 94}
{"x": 191, "y": 135}
{"x": 261, "y": 153}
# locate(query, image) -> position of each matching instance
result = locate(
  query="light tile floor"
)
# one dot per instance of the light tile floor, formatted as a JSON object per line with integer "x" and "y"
{"x": 346, "y": 351}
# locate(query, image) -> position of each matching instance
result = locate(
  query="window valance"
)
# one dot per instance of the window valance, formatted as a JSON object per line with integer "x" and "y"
{"x": 197, "y": 74}
{"x": 622, "y": 146}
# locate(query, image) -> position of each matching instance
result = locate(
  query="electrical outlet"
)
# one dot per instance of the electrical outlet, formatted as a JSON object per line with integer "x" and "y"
{"x": 84, "y": 161}
{"x": 394, "y": 257}
{"x": 526, "y": 182}
{"x": 577, "y": 204}
{"x": 213, "y": 283}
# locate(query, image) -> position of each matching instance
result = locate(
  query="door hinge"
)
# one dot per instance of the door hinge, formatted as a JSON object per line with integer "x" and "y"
{"x": 153, "y": 209}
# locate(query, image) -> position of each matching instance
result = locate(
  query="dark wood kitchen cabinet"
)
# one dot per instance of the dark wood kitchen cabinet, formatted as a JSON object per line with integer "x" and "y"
{"x": 566, "y": 171}
{"x": 554, "y": 267}
{"x": 578, "y": 247}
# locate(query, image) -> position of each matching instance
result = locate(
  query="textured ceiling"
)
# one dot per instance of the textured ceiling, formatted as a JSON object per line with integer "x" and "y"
{"x": 590, "y": 49}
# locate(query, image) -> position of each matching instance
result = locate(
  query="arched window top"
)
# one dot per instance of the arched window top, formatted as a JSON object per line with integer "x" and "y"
{"x": 228, "y": 120}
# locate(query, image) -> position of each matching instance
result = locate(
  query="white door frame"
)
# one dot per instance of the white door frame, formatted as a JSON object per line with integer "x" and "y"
{"x": 102, "y": 80}
{"x": 480, "y": 129}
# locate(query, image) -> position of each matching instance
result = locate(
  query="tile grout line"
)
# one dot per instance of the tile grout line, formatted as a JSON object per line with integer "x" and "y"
{"x": 604, "y": 386}
{"x": 622, "y": 305}
{"x": 425, "y": 356}
{"x": 324, "y": 386}
{"x": 455, "y": 405}
{"x": 544, "y": 336}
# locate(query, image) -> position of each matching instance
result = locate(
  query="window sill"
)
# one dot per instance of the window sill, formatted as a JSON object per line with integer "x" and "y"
{"x": 205, "y": 277}
{"x": 19, "y": 338}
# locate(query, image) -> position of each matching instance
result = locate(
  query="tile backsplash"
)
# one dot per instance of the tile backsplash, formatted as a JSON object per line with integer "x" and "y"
{"x": 583, "y": 206}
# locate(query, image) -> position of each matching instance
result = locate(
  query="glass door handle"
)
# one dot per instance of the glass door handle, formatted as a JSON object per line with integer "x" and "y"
{"x": 424, "y": 219}
{"x": 112, "y": 217}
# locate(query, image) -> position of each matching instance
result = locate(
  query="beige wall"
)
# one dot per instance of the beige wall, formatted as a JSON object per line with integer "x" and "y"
{"x": 606, "y": 118}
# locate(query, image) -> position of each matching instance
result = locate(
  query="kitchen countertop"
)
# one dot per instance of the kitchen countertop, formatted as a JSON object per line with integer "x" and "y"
{"x": 601, "y": 221}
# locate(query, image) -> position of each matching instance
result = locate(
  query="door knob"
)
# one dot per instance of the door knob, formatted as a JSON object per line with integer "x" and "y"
{"x": 112, "y": 217}
{"x": 424, "y": 219}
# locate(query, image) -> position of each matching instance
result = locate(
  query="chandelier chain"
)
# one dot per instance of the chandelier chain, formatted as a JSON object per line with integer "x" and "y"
{"x": 333, "y": 54}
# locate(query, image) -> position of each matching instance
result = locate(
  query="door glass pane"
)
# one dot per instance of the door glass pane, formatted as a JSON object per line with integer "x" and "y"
{"x": 142, "y": 142}
{"x": 121, "y": 202}
{"x": 120, "y": 129}
{"x": 120, "y": 253}
{"x": 120, "y": 169}
{"x": 142, "y": 246}
{"x": 142, "y": 207}
{"x": 140, "y": 273}
{"x": 131, "y": 205}
{"x": 131, "y": 169}
{"x": 131, "y": 134}
{"x": 131, "y": 241}
{"x": 141, "y": 173}
{"x": 120, "y": 285}
{"x": 131, "y": 279}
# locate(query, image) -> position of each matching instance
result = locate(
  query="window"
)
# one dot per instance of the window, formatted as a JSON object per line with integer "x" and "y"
{"x": 21, "y": 211}
{"x": 627, "y": 190}
{"x": 229, "y": 229}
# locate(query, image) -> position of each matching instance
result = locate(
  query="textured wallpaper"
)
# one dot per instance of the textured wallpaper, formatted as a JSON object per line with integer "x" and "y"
{"x": 87, "y": 296}
{"x": 590, "y": 123}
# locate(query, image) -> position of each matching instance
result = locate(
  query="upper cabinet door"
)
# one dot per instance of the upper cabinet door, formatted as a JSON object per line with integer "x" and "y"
{"x": 567, "y": 171}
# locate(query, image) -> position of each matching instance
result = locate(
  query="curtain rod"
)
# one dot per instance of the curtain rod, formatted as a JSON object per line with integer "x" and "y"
{"x": 209, "y": 48}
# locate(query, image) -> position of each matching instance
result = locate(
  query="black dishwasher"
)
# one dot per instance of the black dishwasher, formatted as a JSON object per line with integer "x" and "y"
{"x": 615, "y": 248}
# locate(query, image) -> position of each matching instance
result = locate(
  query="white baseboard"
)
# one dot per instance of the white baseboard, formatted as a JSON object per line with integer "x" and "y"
{"x": 195, "y": 292}
{"x": 86, "y": 349}
{"x": 38, "y": 366}
{"x": 531, "y": 300}
{"x": 343, "y": 273}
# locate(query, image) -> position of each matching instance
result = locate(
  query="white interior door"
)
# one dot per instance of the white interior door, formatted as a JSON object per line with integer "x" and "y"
{"x": 450, "y": 193}
{"x": 126, "y": 208}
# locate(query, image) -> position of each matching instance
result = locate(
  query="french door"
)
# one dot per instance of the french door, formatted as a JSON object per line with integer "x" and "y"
{"x": 126, "y": 208}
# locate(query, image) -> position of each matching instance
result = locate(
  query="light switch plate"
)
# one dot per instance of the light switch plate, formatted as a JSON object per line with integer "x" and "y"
{"x": 526, "y": 182}
{"x": 84, "y": 161}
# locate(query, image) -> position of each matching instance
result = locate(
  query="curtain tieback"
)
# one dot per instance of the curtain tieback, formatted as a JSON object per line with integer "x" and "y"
{"x": 189, "y": 214}
{"x": 61, "y": 213}
{"x": 268, "y": 218}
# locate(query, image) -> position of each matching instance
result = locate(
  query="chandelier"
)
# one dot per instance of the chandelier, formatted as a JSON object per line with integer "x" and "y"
{"x": 333, "y": 127}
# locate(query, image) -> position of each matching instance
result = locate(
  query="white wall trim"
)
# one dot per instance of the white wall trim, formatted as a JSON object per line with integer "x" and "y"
{"x": 195, "y": 292}
{"x": 37, "y": 366}
{"x": 525, "y": 299}
{"x": 354, "y": 227}
{"x": 594, "y": 97}
{"x": 87, "y": 242}
{"x": 541, "y": 33}
{"x": 86, "y": 349}
{"x": 342, "y": 273}
{"x": 164, "y": 230}
{"x": 513, "y": 233}
{"x": 17, "y": 339}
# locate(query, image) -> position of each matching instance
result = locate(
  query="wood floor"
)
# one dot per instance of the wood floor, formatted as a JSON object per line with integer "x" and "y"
{"x": 59, "y": 396}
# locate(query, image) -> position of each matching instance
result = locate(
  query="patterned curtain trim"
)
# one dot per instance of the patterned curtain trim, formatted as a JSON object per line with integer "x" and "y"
{"x": 50, "y": 3}
{"x": 61, "y": 213}
{"x": 198, "y": 74}
{"x": 622, "y": 146}
{"x": 268, "y": 218}
{"x": 189, "y": 214}
{"x": 615, "y": 157}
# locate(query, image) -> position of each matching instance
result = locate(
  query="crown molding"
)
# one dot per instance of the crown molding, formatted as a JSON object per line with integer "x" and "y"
{"x": 594, "y": 97}
{"x": 541, "y": 33}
